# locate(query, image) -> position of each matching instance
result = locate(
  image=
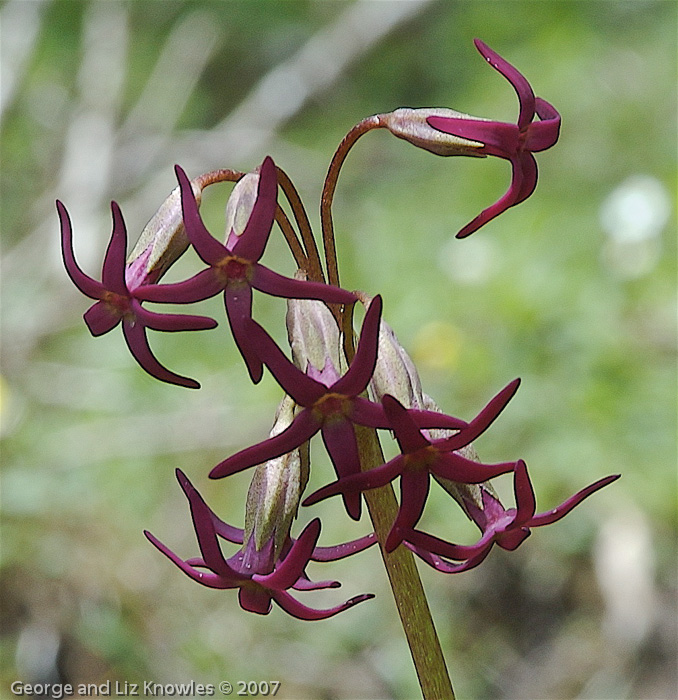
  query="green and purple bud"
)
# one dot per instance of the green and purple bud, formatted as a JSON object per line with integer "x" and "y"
{"x": 412, "y": 125}
{"x": 273, "y": 500}
{"x": 162, "y": 242}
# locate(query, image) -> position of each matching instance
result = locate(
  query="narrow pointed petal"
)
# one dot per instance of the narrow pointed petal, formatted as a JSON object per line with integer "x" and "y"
{"x": 288, "y": 572}
{"x": 206, "y": 246}
{"x": 340, "y": 441}
{"x": 414, "y": 489}
{"x": 526, "y": 502}
{"x": 236, "y": 535}
{"x": 135, "y": 337}
{"x": 255, "y": 600}
{"x": 253, "y": 239}
{"x": 429, "y": 543}
{"x": 304, "y": 390}
{"x": 293, "y": 607}
{"x": 86, "y": 284}
{"x": 204, "y": 285}
{"x": 277, "y": 285}
{"x": 113, "y": 270}
{"x": 515, "y": 77}
{"x": 238, "y": 301}
{"x": 172, "y": 322}
{"x": 482, "y": 421}
{"x": 501, "y": 205}
{"x": 500, "y": 139}
{"x": 305, "y": 584}
{"x": 207, "y": 579}
{"x": 447, "y": 567}
{"x": 452, "y": 466}
{"x": 564, "y": 508}
{"x": 371, "y": 479}
{"x": 543, "y": 134}
{"x": 224, "y": 530}
{"x": 435, "y": 419}
{"x": 100, "y": 318}
{"x": 205, "y": 532}
{"x": 368, "y": 413}
{"x": 302, "y": 428}
{"x": 362, "y": 367}
{"x": 339, "y": 551}
{"x": 407, "y": 434}
{"x": 527, "y": 165}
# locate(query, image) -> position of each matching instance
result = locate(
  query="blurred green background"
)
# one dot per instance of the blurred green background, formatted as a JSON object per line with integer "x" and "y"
{"x": 574, "y": 291}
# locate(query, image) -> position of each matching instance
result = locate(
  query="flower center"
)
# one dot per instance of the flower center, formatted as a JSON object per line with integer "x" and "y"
{"x": 233, "y": 268}
{"x": 119, "y": 305}
{"x": 421, "y": 460}
{"x": 330, "y": 405}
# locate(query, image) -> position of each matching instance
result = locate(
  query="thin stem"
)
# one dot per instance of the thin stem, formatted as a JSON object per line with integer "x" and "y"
{"x": 328, "y": 195}
{"x": 221, "y": 175}
{"x": 315, "y": 270}
{"x": 291, "y": 238}
{"x": 406, "y": 585}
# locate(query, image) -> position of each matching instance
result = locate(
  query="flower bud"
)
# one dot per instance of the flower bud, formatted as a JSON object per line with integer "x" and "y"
{"x": 411, "y": 125}
{"x": 273, "y": 499}
{"x": 240, "y": 205}
{"x": 162, "y": 242}
{"x": 464, "y": 494}
{"x": 314, "y": 337}
{"x": 395, "y": 373}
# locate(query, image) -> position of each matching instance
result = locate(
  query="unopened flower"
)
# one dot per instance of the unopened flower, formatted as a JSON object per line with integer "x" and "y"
{"x": 514, "y": 142}
{"x": 395, "y": 373}
{"x": 256, "y": 590}
{"x": 118, "y": 301}
{"x": 330, "y": 405}
{"x": 314, "y": 337}
{"x": 420, "y": 457}
{"x": 507, "y": 528}
{"x": 234, "y": 268}
{"x": 412, "y": 125}
{"x": 162, "y": 242}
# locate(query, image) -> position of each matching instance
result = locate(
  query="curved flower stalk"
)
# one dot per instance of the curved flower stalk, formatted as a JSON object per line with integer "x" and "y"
{"x": 514, "y": 142}
{"x": 420, "y": 458}
{"x": 117, "y": 301}
{"x": 506, "y": 528}
{"x": 256, "y": 589}
{"x": 330, "y": 405}
{"x": 234, "y": 268}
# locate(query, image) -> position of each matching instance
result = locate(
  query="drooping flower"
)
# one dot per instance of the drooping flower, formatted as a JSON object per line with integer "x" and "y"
{"x": 330, "y": 405}
{"x": 117, "y": 301}
{"x": 256, "y": 589}
{"x": 234, "y": 268}
{"x": 507, "y": 528}
{"x": 513, "y": 142}
{"x": 420, "y": 457}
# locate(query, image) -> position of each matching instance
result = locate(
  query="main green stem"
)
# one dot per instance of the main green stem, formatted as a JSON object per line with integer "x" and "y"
{"x": 408, "y": 591}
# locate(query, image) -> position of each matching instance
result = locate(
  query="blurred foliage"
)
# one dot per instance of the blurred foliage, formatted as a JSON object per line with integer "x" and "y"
{"x": 574, "y": 291}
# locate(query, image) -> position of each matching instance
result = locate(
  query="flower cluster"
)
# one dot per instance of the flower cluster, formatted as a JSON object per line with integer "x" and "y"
{"x": 332, "y": 386}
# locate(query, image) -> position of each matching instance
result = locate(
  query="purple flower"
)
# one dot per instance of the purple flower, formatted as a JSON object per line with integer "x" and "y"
{"x": 329, "y": 404}
{"x": 257, "y": 588}
{"x": 118, "y": 302}
{"x": 514, "y": 142}
{"x": 234, "y": 268}
{"x": 420, "y": 458}
{"x": 507, "y": 528}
